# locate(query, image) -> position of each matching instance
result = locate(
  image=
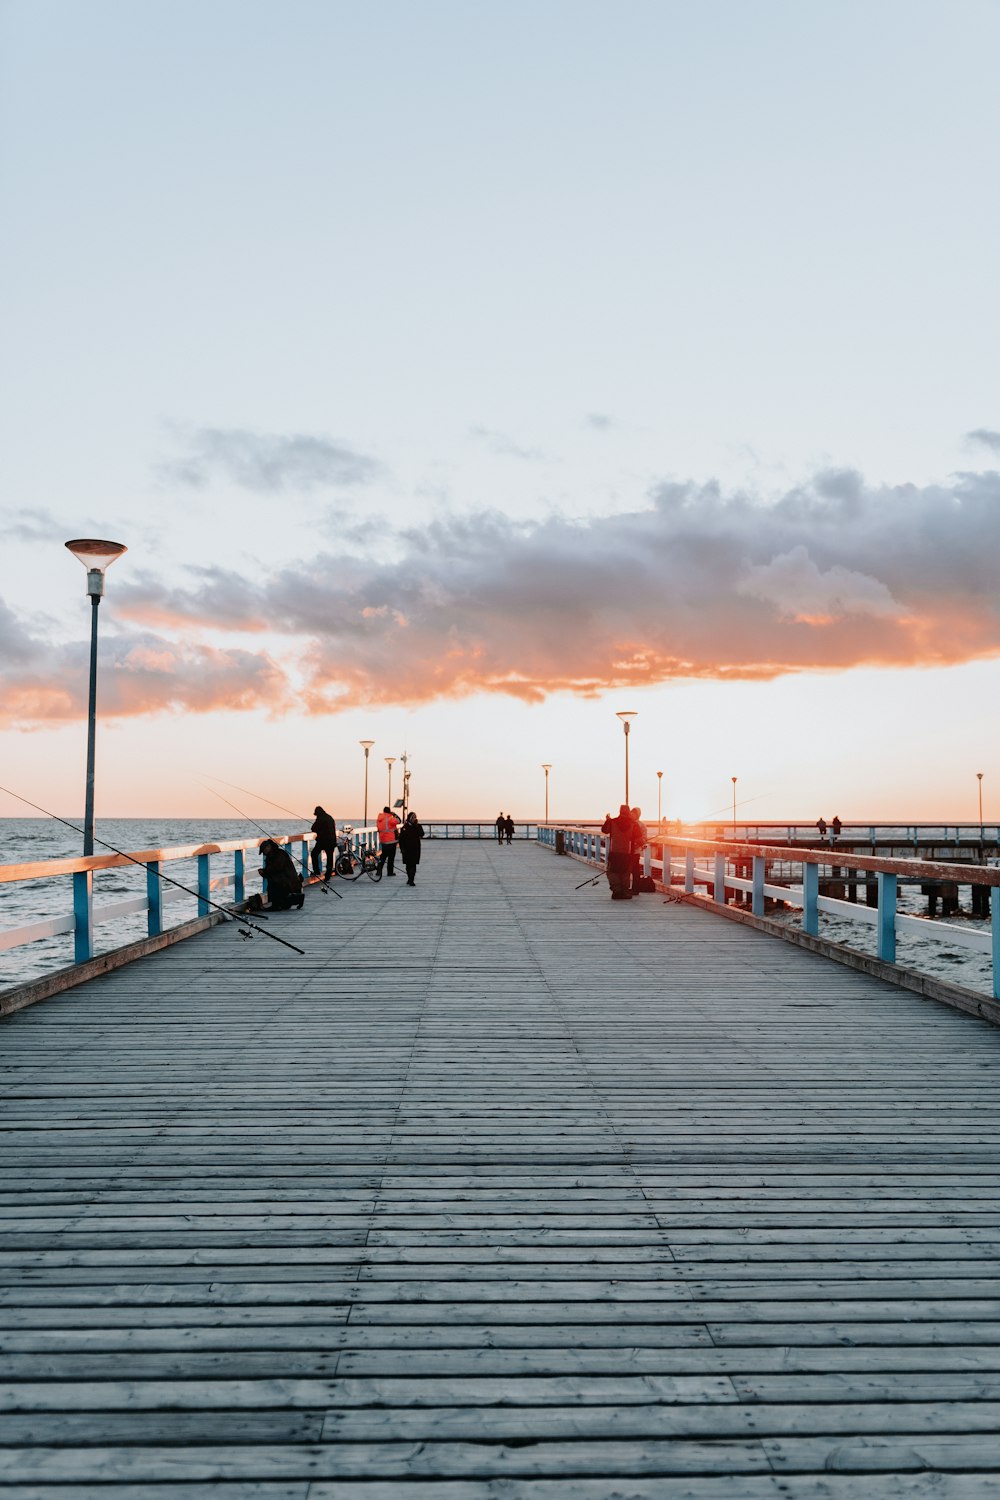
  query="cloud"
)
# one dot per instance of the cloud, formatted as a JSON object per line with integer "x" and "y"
{"x": 268, "y": 463}
{"x": 698, "y": 583}
{"x": 599, "y": 421}
{"x": 139, "y": 673}
{"x": 31, "y": 525}
{"x": 986, "y": 436}
{"x": 500, "y": 443}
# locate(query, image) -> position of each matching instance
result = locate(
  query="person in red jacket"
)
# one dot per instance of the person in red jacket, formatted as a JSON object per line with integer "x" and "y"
{"x": 387, "y": 823}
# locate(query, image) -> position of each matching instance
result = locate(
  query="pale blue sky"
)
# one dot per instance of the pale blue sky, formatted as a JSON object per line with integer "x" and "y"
{"x": 541, "y": 257}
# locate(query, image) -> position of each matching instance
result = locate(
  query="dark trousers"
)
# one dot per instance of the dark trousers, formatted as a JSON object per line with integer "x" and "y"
{"x": 411, "y": 870}
{"x": 388, "y": 857}
{"x": 318, "y": 850}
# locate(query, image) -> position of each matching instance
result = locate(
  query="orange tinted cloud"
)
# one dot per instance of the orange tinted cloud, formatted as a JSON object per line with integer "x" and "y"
{"x": 698, "y": 584}
{"x": 139, "y": 674}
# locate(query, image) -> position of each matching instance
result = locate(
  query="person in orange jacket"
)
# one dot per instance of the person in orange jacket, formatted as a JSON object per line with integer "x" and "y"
{"x": 387, "y": 823}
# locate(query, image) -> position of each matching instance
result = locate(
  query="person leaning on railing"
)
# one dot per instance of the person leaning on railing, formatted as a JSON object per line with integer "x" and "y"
{"x": 621, "y": 835}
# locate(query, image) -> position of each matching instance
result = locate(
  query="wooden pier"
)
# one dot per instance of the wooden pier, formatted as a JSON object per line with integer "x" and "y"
{"x": 503, "y": 1190}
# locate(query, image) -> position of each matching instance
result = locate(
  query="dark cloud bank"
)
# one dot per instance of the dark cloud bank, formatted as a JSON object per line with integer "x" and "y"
{"x": 701, "y": 583}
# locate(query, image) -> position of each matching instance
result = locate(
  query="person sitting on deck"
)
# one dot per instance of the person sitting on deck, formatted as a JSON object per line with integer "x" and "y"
{"x": 284, "y": 883}
{"x": 621, "y": 832}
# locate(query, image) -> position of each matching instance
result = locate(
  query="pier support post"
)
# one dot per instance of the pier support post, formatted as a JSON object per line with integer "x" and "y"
{"x": 689, "y": 872}
{"x": 887, "y": 890}
{"x": 83, "y": 915}
{"x": 757, "y": 896}
{"x": 647, "y": 861}
{"x": 239, "y": 875}
{"x": 720, "y": 879}
{"x": 667, "y": 859}
{"x": 810, "y": 899}
{"x": 154, "y": 898}
{"x": 204, "y": 884}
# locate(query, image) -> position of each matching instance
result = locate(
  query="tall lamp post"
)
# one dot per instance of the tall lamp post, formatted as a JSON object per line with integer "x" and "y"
{"x": 366, "y": 746}
{"x": 546, "y": 767}
{"x": 659, "y": 799}
{"x": 979, "y": 778}
{"x": 404, "y": 759}
{"x": 733, "y": 780}
{"x": 96, "y": 556}
{"x": 390, "y": 760}
{"x": 626, "y": 714}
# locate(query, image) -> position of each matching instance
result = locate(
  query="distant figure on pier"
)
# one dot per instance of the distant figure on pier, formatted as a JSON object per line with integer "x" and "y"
{"x": 508, "y": 827}
{"x": 387, "y": 823}
{"x": 639, "y": 841}
{"x": 501, "y": 826}
{"x": 621, "y": 832}
{"x": 409, "y": 846}
{"x": 325, "y": 830}
{"x": 284, "y": 883}
{"x": 835, "y": 828}
{"x": 821, "y": 825}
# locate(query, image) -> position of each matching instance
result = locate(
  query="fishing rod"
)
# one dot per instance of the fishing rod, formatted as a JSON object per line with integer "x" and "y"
{"x": 325, "y": 888}
{"x": 168, "y": 879}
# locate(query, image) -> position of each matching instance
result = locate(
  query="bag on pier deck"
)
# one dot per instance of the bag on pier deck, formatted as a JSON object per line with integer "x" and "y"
{"x": 646, "y": 886}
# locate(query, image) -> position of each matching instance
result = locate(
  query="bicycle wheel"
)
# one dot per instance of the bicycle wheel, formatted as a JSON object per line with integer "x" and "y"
{"x": 348, "y": 866}
{"x": 372, "y": 867}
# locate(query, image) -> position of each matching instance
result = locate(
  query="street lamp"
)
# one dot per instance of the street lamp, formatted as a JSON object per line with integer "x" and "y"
{"x": 979, "y": 778}
{"x": 659, "y": 799}
{"x": 625, "y": 714}
{"x": 389, "y": 760}
{"x": 733, "y": 779}
{"x": 96, "y": 556}
{"x": 546, "y": 767}
{"x": 366, "y": 746}
{"x": 404, "y": 759}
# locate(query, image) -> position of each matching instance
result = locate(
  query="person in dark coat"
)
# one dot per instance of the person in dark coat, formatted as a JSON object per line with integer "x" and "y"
{"x": 501, "y": 826}
{"x": 408, "y": 839}
{"x": 325, "y": 830}
{"x": 621, "y": 833}
{"x": 508, "y": 827}
{"x": 284, "y": 883}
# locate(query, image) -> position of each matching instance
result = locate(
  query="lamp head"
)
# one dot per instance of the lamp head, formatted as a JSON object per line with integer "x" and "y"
{"x": 366, "y": 746}
{"x": 96, "y": 556}
{"x": 546, "y": 766}
{"x": 625, "y": 714}
{"x": 390, "y": 760}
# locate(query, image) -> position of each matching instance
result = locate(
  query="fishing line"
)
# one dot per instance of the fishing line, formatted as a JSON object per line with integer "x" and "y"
{"x": 325, "y": 888}
{"x": 300, "y": 817}
{"x": 168, "y": 879}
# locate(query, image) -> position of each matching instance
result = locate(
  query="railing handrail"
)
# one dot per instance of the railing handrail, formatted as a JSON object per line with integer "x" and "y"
{"x": 39, "y": 869}
{"x": 931, "y": 869}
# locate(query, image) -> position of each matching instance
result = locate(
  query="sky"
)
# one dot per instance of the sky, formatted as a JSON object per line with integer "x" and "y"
{"x": 458, "y": 375}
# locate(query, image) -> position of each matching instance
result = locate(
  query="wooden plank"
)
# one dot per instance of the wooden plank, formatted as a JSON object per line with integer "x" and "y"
{"x": 578, "y": 1196}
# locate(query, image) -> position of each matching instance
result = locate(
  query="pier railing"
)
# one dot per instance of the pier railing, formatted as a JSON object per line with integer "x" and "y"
{"x": 84, "y": 916}
{"x": 746, "y": 872}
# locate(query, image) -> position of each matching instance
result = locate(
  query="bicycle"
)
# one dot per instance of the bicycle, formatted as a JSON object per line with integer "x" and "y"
{"x": 351, "y": 864}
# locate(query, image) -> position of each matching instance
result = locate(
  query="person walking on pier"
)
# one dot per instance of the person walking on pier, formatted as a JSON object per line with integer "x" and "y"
{"x": 387, "y": 823}
{"x": 325, "y": 830}
{"x": 508, "y": 827}
{"x": 284, "y": 883}
{"x": 500, "y": 827}
{"x": 621, "y": 832}
{"x": 409, "y": 846}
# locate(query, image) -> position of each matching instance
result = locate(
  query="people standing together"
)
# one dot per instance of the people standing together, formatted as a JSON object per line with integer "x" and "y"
{"x": 505, "y": 828}
{"x": 626, "y": 840}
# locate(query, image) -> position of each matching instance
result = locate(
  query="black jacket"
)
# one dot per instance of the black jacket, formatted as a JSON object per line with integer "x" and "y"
{"x": 325, "y": 830}
{"x": 408, "y": 838}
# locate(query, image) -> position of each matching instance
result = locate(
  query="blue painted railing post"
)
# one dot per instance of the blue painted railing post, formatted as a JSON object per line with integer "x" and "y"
{"x": 83, "y": 915}
{"x": 239, "y": 875}
{"x": 666, "y": 867}
{"x": 305, "y": 860}
{"x": 720, "y": 879}
{"x": 647, "y": 860}
{"x": 204, "y": 884}
{"x": 689, "y": 872}
{"x": 154, "y": 896}
{"x": 810, "y": 899}
{"x": 995, "y": 928}
{"x": 757, "y": 897}
{"x": 887, "y": 917}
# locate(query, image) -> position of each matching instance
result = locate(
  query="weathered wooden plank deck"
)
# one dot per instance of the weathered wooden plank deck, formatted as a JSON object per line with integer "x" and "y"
{"x": 503, "y": 1190}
